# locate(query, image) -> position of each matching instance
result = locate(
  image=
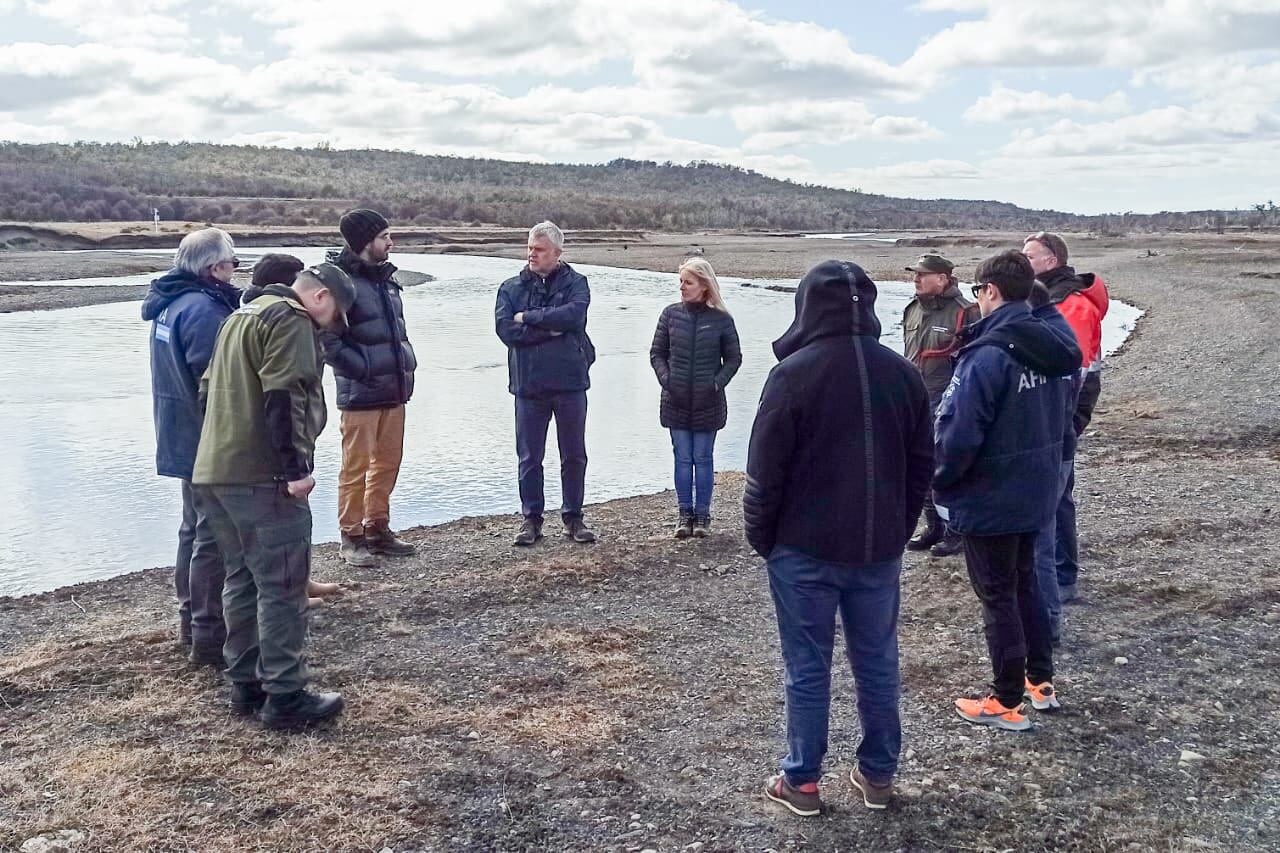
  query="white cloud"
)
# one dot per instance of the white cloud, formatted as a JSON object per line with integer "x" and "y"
{"x": 1005, "y": 104}
{"x": 139, "y": 23}
{"x": 807, "y": 122}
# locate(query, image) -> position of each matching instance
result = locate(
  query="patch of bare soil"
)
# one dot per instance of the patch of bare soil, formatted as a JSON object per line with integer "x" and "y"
{"x": 627, "y": 696}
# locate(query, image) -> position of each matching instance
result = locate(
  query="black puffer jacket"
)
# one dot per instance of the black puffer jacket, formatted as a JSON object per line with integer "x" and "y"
{"x": 695, "y": 353}
{"x": 372, "y": 360}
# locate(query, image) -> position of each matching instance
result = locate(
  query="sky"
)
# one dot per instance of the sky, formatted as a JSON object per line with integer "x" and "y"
{"x": 1088, "y": 106}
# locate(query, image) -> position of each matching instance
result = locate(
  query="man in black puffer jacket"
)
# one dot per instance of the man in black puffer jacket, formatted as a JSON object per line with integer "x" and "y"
{"x": 373, "y": 363}
{"x": 840, "y": 458}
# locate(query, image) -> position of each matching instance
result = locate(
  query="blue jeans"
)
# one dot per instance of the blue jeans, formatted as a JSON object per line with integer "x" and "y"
{"x": 1046, "y": 555}
{"x": 695, "y": 468}
{"x": 533, "y": 416}
{"x": 1068, "y": 555}
{"x": 806, "y": 594}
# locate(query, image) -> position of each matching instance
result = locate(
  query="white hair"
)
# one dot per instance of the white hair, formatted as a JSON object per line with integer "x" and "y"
{"x": 202, "y": 249}
{"x": 548, "y": 230}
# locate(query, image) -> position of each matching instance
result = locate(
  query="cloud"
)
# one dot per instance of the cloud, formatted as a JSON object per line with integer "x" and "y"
{"x": 139, "y": 23}
{"x": 810, "y": 122}
{"x": 1005, "y": 104}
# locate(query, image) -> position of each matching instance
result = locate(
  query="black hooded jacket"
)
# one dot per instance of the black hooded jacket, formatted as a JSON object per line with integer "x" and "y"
{"x": 842, "y": 447}
{"x": 695, "y": 353}
{"x": 373, "y": 361}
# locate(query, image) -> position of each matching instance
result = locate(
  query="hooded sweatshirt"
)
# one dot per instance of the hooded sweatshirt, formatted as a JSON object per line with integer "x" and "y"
{"x": 841, "y": 448}
{"x": 185, "y": 312}
{"x": 1002, "y": 423}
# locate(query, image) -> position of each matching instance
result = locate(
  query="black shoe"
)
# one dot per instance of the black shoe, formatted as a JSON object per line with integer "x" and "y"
{"x": 247, "y": 698}
{"x": 701, "y": 525}
{"x": 293, "y": 711}
{"x": 931, "y": 535}
{"x": 207, "y": 654}
{"x": 354, "y": 551}
{"x": 577, "y": 530}
{"x": 380, "y": 540}
{"x": 684, "y": 527}
{"x": 530, "y": 532}
{"x": 952, "y": 543}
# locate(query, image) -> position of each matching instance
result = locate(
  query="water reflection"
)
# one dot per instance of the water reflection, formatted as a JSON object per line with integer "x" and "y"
{"x": 75, "y": 416}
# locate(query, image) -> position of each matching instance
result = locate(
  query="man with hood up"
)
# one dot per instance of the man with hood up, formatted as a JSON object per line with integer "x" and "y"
{"x": 186, "y": 306}
{"x": 999, "y": 442}
{"x": 837, "y": 470}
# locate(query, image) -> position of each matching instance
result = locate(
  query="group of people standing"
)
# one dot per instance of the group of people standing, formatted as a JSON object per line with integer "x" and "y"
{"x": 976, "y": 426}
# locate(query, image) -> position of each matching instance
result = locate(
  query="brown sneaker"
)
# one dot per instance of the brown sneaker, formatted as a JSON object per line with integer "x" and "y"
{"x": 381, "y": 540}
{"x": 873, "y": 796}
{"x": 802, "y": 799}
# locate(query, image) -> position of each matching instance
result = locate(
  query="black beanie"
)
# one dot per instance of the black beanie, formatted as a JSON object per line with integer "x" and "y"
{"x": 360, "y": 226}
{"x": 276, "y": 269}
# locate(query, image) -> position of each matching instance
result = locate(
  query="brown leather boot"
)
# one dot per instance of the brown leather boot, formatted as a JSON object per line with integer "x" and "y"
{"x": 381, "y": 540}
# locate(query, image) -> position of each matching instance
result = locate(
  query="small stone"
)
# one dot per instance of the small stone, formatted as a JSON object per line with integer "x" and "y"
{"x": 1122, "y": 661}
{"x": 473, "y": 735}
{"x": 1190, "y": 757}
{"x": 54, "y": 842}
{"x": 689, "y": 772}
{"x": 695, "y": 846}
{"x": 635, "y": 816}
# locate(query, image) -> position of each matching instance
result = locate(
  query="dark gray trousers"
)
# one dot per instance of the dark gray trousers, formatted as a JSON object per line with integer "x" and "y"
{"x": 198, "y": 574}
{"x": 266, "y": 537}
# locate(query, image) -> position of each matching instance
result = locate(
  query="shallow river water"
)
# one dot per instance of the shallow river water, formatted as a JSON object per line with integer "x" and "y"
{"x": 78, "y": 474}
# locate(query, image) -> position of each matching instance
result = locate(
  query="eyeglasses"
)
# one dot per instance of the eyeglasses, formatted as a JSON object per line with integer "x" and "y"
{"x": 978, "y": 288}
{"x": 234, "y": 261}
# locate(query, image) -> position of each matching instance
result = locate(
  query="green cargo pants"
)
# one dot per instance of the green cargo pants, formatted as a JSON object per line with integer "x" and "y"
{"x": 265, "y": 537}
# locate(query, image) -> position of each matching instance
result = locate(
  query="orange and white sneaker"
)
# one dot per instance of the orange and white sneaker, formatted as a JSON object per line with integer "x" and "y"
{"x": 1042, "y": 696}
{"x": 988, "y": 711}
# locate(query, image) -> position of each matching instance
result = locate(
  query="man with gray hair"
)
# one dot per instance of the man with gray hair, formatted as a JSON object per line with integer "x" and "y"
{"x": 541, "y": 315}
{"x": 186, "y": 307}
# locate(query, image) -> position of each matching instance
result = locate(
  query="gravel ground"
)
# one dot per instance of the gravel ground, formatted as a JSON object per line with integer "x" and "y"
{"x": 627, "y": 696}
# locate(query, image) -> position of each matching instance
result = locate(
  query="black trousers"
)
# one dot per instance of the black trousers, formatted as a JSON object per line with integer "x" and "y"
{"x": 1002, "y": 571}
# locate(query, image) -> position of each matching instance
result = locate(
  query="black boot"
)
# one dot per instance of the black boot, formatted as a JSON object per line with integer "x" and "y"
{"x": 530, "y": 532}
{"x": 380, "y": 540}
{"x": 354, "y": 551}
{"x": 702, "y": 525}
{"x": 207, "y": 654}
{"x": 684, "y": 527}
{"x": 576, "y": 529}
{"x": 932, "y": 533}
{"x": 952, "y": 543}
{"x": 297, "y": 710}
{"x": 247, "y": 698}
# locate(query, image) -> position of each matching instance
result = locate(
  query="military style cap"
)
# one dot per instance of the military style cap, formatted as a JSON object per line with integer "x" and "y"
{"x": 932, "y": 263}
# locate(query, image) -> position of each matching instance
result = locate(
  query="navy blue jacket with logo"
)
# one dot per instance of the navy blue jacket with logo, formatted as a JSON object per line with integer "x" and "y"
{"x": 549, "y": 353}
{"x": 998, "y": 438}
{"x": 842, "y": 445}
{"x": 185, "y": 313}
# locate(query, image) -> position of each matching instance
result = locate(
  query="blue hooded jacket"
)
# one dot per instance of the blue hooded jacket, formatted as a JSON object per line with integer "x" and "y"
{"x": 185, "y": 313}
{"x": 1001, "y": 424}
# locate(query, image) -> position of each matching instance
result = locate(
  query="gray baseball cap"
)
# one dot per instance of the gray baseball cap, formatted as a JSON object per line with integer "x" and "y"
{"x": 337, "y": 283}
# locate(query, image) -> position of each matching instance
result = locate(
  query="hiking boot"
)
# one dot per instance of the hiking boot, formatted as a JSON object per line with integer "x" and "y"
{"x": 380, "y": 540}
{"x": 800, "y": 799}
{"x": 684, "y": 527}
{"x": 530, "y": 532}
{"x": 247, "y": 698}
{"x": 701, "y": 525}
{"x": 952, "y": 543}
{"x": 931, "y": 535}
{"x": 988, "y": 711}
{"x": 354, "y": 551}
{"x": 577, "y": 530}
{"x": 184, "y": 634}
{"x": 873, "y": 796}
{"x": 297, "y": 710}
{"x": 207, "y": 654}
{"x": 1042, "y": 696}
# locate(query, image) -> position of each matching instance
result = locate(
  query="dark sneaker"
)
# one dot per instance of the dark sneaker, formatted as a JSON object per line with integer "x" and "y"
{"x": 207, "y": 654}
{"x": 1042, "y": 696}
{"x": 380, "y": 540}
{"x": 293, "y": 711}
{"x": 247, "y": 699}
{"x": 802, "y": 800}
{"x": 701, "y": 525}
{"x": 530, "y": 532}
{"x": 930, "y": 536}
{"x": 684, "y": 527}
{"x": 951, "y": 544}
{"x": 873, "y": 796}
{"x": 988, "y": 711}
{"x": 578, "y": 531}
{"x": 354, "y": 551}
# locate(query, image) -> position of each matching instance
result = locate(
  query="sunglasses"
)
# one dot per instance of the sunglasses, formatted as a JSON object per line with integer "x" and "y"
{"x": 978, "y": 288}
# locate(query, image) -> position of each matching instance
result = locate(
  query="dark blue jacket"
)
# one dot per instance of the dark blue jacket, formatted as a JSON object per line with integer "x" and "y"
{"x": 372, "y": 360}
{"x": 1002, "y": 422}
{"x": 549, "y": 353}
{"x": 185, "y": 313}
{"x": 842, "y": 446}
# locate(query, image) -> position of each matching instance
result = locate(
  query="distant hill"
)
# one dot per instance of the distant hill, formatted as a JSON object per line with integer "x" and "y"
{"x": 90, "y": 182}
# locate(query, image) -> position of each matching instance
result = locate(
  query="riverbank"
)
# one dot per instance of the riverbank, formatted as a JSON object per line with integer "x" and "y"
{"x": 627, "y": 696}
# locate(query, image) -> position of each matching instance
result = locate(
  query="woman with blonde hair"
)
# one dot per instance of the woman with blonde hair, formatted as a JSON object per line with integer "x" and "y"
{"x": 695, "y": 354}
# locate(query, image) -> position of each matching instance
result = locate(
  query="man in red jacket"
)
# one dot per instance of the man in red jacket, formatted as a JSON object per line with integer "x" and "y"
{"x": 1082, "y": 299}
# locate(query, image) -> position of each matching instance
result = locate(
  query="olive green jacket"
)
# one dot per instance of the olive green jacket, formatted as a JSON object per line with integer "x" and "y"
{"x": 264, "y": 404}
{"x": 929, "y": 328}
